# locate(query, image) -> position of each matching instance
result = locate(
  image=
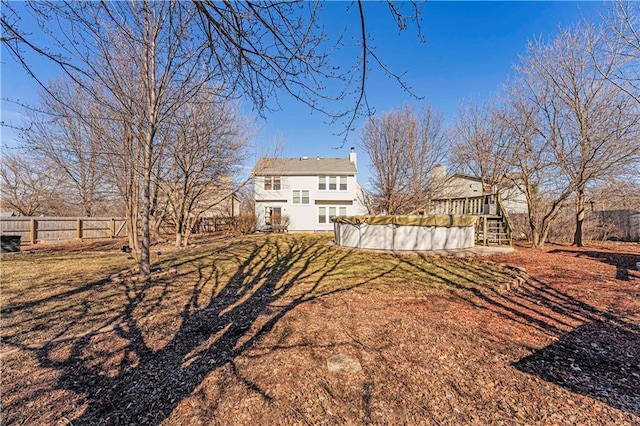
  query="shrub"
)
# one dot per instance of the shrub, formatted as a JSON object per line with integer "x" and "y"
{"x": 246, "y": 223}
{"x": 280, "y": 223}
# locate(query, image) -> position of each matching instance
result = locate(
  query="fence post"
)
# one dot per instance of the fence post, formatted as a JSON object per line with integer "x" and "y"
{"x": 32, "y": 231}
{"x": 484, "y": 229}
{"x": 112, "y": 227}
{"x": 79, "y": 228}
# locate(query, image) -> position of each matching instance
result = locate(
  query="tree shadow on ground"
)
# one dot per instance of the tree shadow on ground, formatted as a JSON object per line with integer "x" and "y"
{"x": 625, "y": 263}
{"x": 236, "y": 295}
{"x": 600, "y": 358}
{"x": 224, "y": 301}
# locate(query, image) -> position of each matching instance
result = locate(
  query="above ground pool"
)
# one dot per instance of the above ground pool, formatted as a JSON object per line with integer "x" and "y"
{"x": 432, "y": 232}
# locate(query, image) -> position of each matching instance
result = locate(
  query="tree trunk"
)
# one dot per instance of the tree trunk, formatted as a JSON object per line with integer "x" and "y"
{"x": 535, "y": 238}
{"x": 149, "y": 122}
{"x": 179, "y": 227}
{"x": 545, "y": 233}
{"x": 145, "y": 259}
{"x": 580, "y": 214}
{"x": 132, "y": 231}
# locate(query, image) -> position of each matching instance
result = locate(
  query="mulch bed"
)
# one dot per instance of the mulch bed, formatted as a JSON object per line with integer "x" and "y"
{"x": 561, "y": 348}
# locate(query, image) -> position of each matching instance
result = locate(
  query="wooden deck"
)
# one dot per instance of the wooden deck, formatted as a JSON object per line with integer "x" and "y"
{"x": 493, "y": 226}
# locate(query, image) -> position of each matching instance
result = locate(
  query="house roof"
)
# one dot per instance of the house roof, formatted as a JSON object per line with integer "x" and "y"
{"x": 464, "y": 176}
{"x": 304, "y": 167}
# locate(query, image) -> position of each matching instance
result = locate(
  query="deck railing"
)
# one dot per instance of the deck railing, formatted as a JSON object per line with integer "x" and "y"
{"x": 481, "y": 205}
{"x": 488, "y": 207}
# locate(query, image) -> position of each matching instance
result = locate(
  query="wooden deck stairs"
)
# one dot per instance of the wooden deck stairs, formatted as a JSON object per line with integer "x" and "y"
{"x": 493, "y": 230}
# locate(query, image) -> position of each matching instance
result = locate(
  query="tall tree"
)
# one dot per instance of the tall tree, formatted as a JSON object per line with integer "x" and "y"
{"x": 480, "y": 142}
{"x": 536, "y": 173}
{"x": 590, "y": 124}
{"x": 27, "y": 187}
{"x": 140, "y": 62}
{"x": 256, "y": 50}
{"x": 70, "y": 144}
{"x": 403, "y": 146}
{"x": 208, "y": 140}
{"x": 621, "y": 37}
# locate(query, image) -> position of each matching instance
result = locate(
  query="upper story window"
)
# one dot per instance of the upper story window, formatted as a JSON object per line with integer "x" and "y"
{"x": 300, "y": 196}
{"x": 332, "y": 183}
{"x": 272, "y": 183}
{"x": 343, "y": 183}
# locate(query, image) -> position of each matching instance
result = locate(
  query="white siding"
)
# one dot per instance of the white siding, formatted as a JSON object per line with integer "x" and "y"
{"x": 461, "y": 187}
{"x": 514, "y": 200}
{"x": 304, "y": 217}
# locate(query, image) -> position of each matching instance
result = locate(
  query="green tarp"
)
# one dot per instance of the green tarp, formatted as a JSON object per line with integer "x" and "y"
{"x": 444, "y": 220}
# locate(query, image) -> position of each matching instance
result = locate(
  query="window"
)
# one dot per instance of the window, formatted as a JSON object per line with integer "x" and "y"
{"x": 272, "y": 183}
{"x": 322, "y": 215}
{"x": 300, "y": 196}
{"x": 343, "y": 183}
{"x": 332, "y": 183}
{"x": 322, "y": 183}
{"x": 332, "y": 212}
{"x": 325, "y": 214}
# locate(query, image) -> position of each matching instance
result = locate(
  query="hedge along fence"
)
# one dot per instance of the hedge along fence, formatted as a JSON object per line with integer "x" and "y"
{"x": 42, "y": 229}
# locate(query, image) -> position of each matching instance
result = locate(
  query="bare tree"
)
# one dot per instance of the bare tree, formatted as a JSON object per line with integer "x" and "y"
{"x": 480, "y": 143}
{"x": 133, "y": 50}
{"x": 207, "y": 144}
{"x": 28, "y": 189}
{"x": 621, "y": 37}
{"x": 537, "y": 176}
{"x": 70, "y": 144}
{"x": 590, "y": 124}
{"x": 140, "y": 62}
{"x": 403, "y": 147}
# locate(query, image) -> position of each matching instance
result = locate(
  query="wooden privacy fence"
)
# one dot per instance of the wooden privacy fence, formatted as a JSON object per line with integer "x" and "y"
{"x": 40, "y": 229}
{"x": 215, "y": 224}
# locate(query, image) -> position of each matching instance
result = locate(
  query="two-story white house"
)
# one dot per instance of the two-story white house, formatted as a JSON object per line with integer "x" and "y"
{"x": 307, "y": 191}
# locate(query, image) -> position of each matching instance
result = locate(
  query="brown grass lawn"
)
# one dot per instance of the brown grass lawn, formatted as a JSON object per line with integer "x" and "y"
{"x": 243, "y": 331}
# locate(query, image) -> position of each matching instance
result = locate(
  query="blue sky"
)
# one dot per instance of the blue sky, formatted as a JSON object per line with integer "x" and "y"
{"x": 469, "y": 50}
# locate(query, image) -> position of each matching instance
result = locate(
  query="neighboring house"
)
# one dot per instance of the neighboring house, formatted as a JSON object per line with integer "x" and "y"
{"x": 307, "y": 191}
{"x": 220, "y": 201}
{"x": 465, "y": 194}
{"x": 224, "y": 204}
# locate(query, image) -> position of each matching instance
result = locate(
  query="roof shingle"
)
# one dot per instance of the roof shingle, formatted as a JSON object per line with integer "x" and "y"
{"x": 303, "y": 167}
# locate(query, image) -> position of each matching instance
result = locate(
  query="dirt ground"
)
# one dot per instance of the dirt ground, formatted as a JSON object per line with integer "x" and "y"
{"x": 559, "y": 345}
